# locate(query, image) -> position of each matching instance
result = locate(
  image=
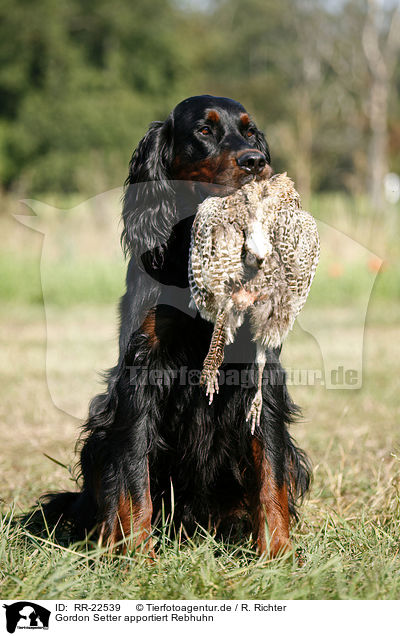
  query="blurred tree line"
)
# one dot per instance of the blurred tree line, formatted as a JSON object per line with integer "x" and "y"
{"x": 81, "y": 79}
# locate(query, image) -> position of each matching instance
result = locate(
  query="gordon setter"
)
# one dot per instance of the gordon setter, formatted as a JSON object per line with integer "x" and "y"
{"x": 152, "y": 442}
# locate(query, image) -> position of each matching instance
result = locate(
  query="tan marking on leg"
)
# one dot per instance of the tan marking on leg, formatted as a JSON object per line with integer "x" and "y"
{"x": 133, "y": 522}
{"x": 270, "y": 503}
{"x": 101, "y": 535}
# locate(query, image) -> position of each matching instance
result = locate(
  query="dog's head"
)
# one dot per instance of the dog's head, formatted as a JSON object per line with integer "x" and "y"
{"x": 209, "y": 143}
{"x": 215, "y": 141}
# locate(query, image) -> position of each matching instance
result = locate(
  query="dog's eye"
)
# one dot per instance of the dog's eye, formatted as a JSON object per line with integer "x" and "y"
{"x": 205, "y": 130}
{"x": 251, "y": 132}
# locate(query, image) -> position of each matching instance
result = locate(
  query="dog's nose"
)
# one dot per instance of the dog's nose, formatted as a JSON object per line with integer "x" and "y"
{"x": 252, "y": 162}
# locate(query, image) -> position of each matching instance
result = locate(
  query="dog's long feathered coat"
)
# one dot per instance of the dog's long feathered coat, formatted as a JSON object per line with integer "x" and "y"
{"x": 152, "y": 431}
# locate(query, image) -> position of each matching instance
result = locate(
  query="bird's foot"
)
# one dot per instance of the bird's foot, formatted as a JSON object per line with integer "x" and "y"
{"x": 209, "y": 377}
{"x": 254, "y": 414}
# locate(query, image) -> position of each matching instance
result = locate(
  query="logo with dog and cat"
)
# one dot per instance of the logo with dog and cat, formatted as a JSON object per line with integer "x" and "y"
{"x": 26, "y": 615}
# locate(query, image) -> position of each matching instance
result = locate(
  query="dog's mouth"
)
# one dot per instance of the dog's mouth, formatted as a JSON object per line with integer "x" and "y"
{"x": 205, "y": 190}
{"x": 245, "y": 177}
{"x": 265, "y": 174}
{"x": 224, "y": 186}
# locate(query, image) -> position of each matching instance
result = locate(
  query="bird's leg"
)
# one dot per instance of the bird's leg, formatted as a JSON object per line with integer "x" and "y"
{"x": 254, "y": 414}
{"x": 215, "y": 357}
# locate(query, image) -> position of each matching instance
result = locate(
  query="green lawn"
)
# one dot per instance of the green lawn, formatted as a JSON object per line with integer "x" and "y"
{"x": 350, "y": 524}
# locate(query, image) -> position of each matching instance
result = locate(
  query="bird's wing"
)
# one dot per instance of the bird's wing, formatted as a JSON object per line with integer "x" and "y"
{"x": 298, "y": 245}
{"x": 223, "y": 264}
{"x": 215, "y": 256}
{"x": 309, "y": 250}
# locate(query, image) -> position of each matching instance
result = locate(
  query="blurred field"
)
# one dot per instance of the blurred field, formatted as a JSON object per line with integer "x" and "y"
{"x": 78, "y": 242}
{"x": 350, "y": 524}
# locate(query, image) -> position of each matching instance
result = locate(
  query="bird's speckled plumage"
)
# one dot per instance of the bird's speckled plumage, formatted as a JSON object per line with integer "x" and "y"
{"x": 254, "y": 251}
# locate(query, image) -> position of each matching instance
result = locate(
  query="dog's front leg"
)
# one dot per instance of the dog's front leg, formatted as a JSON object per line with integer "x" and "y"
{"x": 268, "y": 502}
{"x": 131, "y": 525}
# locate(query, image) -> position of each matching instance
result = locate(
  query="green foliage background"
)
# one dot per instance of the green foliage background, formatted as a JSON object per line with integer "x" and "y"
{"x": 81, "y": 80}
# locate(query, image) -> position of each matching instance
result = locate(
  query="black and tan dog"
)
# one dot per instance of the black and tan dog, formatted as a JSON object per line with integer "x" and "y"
{"x": 153, "y": 432}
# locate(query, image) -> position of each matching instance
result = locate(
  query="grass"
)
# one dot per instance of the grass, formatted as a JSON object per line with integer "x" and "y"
{"x": 101, "y": 281}
{"x": 80, "y": 246}
{"x": 349, "y": 532}
{"x": 23, "y": 281}
{"x": 345, "y": 559}
{"x": 349, "y": 526}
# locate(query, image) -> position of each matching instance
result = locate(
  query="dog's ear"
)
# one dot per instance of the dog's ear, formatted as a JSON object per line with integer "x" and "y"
{"x": 261, "y": 144}
{"x": 149, "y": 198}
